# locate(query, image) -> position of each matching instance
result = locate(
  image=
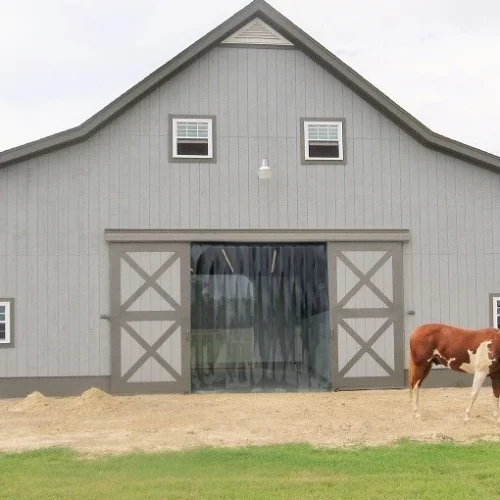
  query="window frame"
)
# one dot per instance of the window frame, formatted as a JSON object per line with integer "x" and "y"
{"x": 9, "y": 322}
{"x": 304, "y": 150}
{"x": 494, "y": 316}
{"x": 174, "y": 157}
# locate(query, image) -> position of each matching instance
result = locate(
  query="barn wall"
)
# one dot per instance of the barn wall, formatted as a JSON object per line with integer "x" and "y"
{"x": 54, "y": 208}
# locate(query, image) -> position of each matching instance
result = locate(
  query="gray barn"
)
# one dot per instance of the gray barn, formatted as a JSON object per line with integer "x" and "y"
{"x": 150, "y": 249}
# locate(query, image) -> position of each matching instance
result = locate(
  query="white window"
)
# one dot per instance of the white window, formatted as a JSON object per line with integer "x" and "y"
{"x": 5, "y": 322}
{"x": 192, "y": 138}
{"x": 496, "y": 312}
{"x": 323, "y": 140}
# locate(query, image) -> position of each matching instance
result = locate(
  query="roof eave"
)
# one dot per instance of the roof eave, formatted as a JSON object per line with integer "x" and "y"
{"x": 132, "y": 95}
{"x": 377, "y": 98}
{"x": 304, "y": 42}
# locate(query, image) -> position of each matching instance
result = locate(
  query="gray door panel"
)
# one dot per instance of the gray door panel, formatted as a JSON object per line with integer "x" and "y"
{"x": 150, "y": 317}
{"x": 366, "y": 291}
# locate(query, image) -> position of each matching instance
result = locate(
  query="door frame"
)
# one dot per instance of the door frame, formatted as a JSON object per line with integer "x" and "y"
{"x": 189, "y": 236}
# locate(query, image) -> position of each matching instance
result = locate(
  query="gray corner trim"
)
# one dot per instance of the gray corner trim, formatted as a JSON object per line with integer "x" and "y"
{"x": 302, "y": 41}
{"x": 492, "y": 313}
{"x": 171, "y": 159}
{"x": 303, "y": 160}
{"x": 257, "y": 235}
{"x": 12, "y": 323}
{"x": 20, "y": 387}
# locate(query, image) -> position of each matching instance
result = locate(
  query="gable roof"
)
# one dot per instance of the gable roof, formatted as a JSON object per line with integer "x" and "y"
{"x": 302, "y": 41}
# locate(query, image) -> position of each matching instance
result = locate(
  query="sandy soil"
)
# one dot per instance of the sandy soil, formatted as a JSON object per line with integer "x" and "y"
{"x": 97, "y": 423}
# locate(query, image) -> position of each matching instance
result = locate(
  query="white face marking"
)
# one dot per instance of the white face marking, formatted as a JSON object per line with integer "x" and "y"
{"x": 437, "y": 353}
{"x": 480, "y": 361}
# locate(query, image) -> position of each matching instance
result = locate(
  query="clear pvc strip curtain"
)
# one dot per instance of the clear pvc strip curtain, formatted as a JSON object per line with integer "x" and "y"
{"x": 259, "y": 318}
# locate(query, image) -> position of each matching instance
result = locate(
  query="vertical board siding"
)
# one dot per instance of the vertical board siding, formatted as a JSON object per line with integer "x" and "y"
{"x": 54, "y": 208}
{"x": 3, "y": 254}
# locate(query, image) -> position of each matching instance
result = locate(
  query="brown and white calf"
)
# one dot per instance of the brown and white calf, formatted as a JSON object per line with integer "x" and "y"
{"x": 461, "y": 350}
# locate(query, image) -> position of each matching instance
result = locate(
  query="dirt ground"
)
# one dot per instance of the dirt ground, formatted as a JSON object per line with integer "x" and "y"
{"x": 97, "y": 423}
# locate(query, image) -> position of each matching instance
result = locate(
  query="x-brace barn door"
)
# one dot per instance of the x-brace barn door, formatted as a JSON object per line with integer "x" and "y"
{"x": 366, "y": 293}
{"x": 150, "y": 317}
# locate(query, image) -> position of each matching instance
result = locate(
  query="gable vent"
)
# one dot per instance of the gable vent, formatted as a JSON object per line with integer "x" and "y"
{"x": 257, "y": 32}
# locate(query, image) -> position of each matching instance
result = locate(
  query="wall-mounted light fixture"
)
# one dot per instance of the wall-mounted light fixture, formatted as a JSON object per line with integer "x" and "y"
{"x": 265, "y": 172}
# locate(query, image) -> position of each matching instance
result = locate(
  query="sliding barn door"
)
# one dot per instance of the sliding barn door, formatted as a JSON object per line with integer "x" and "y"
{"x": 150, "y": 311}
{"x": 366, "y": 290}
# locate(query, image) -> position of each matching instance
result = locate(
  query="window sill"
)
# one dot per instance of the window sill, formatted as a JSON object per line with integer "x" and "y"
{"x": 308, "y": 161}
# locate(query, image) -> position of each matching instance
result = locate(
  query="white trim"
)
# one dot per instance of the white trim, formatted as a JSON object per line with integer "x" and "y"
{"x": 257, "y": 32}
{"x": 192, "y": 120}
{"x": 340, "y": 129}
{"x": 7, "y": 323}
{"x": 495, "y": 315}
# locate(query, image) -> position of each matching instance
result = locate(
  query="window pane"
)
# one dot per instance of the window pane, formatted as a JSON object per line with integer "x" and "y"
{"x": 323, "y": 150}
{"x": 181, "y": 129}
{"x": 498, "y": 322}
{"x": 323, "y": 132}
{"x": 2, "y": 331}
{"x": 2, "y": 316}
{"x": 192, "y": 148}
{"x": 203, "y": 130}
{"x": 193, "y": 130}
{"x": 2, "y": 309}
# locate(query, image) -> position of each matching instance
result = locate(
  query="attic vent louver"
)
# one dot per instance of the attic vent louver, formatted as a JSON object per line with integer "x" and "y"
{"x": 257, "y": 32}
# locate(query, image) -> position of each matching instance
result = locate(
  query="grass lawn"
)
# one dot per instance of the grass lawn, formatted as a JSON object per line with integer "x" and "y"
{"x": 404, "y": 471}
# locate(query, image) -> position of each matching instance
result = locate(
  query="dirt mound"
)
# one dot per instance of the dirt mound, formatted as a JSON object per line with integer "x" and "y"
{"x": 32, "y": 402}
{"x": 96, "y": 422}
{"x": 94, "y": 400}
{"x": 94, "y": 395}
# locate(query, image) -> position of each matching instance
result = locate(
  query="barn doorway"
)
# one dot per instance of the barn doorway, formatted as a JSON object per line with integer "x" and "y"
{"x": 259, "y": 318}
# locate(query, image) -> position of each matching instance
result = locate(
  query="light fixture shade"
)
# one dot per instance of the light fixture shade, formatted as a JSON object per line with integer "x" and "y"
{"x": 265, "y": 171}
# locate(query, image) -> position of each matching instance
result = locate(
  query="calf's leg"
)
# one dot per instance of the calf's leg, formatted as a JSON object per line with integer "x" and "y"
{"x": 495, "y": 385}
{"x": 476, "y": 386}
{"x": 418, "y": 373}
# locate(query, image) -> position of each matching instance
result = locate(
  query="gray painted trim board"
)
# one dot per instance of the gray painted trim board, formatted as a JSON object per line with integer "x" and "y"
{"x": 74, "y": 386}
{"x": 258, "y": 8}
{"x": 256, "y": 235}
{"x": 212, "y": 159}
{"x": 51, "y": 386}
{"x": 447, "y": 378}
{"x": 491, "y": 295}
{"x": 303, "y": 160}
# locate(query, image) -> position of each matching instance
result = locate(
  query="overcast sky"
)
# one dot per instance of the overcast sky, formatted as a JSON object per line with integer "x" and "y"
{"x": 61, "y": 61}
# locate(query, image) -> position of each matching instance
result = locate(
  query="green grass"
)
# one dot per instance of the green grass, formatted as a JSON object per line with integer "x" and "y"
{"x": 404, "y": 471}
